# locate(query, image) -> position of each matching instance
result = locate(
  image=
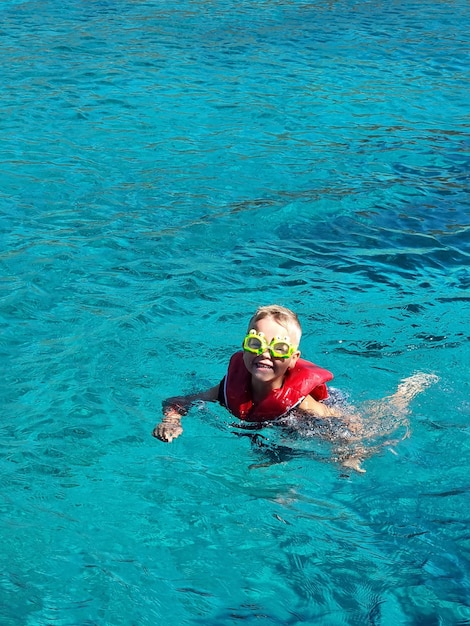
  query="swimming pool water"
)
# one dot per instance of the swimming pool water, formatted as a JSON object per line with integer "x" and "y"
{"x": 165, "y": 169}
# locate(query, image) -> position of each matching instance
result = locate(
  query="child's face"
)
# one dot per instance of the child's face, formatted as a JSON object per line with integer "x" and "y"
{"x": 265, "y": 369}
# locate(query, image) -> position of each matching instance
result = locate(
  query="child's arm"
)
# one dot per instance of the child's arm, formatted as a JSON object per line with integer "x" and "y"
{"x": 317, "y": 408}
{"x": 350, "y": 459}
{"x": 353, "y": 421}
{"x": 174, "y": 408}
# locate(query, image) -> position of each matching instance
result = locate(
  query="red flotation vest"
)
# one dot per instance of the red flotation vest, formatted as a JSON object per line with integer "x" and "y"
{"x": 302, "y": 380}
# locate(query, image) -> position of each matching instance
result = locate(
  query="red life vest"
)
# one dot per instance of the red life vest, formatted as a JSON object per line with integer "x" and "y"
{"x": 303, "y": 379}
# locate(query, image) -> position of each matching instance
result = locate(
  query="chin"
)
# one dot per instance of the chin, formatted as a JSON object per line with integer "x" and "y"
{"x": 262, "y": 374}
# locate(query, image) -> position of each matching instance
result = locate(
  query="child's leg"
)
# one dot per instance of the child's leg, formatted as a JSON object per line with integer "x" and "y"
{"x": 384, "y": 417}
{"x": 409, "y": 388}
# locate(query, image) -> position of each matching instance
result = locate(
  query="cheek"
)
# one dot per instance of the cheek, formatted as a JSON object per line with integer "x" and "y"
{"x": 281, "y": 367}
{"x": 248, "y": 359}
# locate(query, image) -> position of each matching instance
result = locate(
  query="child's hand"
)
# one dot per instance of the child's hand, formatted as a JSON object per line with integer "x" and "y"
{"x": 169, "y": 428}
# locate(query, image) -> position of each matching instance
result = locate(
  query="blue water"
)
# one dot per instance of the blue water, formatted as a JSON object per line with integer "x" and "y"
{"x": 165, "y": 169}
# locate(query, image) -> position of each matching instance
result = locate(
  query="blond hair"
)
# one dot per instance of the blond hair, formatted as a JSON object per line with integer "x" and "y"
{"x": 283, "y": 316}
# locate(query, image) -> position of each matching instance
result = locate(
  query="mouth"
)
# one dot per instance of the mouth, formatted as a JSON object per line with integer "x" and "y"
{"x": 263, "y": 365}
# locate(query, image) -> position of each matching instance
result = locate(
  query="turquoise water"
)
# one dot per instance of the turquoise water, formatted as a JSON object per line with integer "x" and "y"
{"x": 165, "y": 169}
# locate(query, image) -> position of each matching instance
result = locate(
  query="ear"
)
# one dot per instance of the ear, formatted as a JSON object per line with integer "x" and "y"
{"x": 294, "y": 358}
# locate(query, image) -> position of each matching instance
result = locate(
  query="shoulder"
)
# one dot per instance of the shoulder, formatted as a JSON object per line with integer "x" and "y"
{"x": 309, "y": 379}
{"x": 309, "y": 369}
{"x": 313, "y": 406}
{"x": 236, "y": 368}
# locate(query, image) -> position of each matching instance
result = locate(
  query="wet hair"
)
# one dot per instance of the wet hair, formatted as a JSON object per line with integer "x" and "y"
{"x": 283, "y": 316}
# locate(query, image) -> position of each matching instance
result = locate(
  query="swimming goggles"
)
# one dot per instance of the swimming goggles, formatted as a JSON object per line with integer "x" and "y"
{"x": 279, "y": 348}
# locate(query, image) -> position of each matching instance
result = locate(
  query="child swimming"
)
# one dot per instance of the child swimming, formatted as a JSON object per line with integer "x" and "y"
{"x": 267, "y": 381}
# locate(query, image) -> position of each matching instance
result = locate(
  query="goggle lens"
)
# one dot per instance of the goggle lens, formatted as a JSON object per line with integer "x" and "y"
{"x": 254, "y": 344}
{"x": 280, "y": 349}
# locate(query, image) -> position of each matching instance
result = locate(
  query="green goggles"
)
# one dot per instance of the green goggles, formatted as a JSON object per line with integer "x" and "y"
{"x": 279, "y": 348}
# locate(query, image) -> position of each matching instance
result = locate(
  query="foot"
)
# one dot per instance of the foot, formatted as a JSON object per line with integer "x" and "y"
{"x": 410, "y": 387}
{"x": 354, "y": 462}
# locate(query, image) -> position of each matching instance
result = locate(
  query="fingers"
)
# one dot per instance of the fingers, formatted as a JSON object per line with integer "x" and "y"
{"x": 167, "y": 433}
{"x": 156, "y": 433}
{"x": 168, "y": 436}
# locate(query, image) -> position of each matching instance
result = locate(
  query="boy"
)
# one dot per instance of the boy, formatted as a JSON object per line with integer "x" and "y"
{"x": 268, "y": 380}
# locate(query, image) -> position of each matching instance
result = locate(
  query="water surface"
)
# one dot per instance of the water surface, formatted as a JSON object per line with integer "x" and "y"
{"x": 165, "y": 169}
